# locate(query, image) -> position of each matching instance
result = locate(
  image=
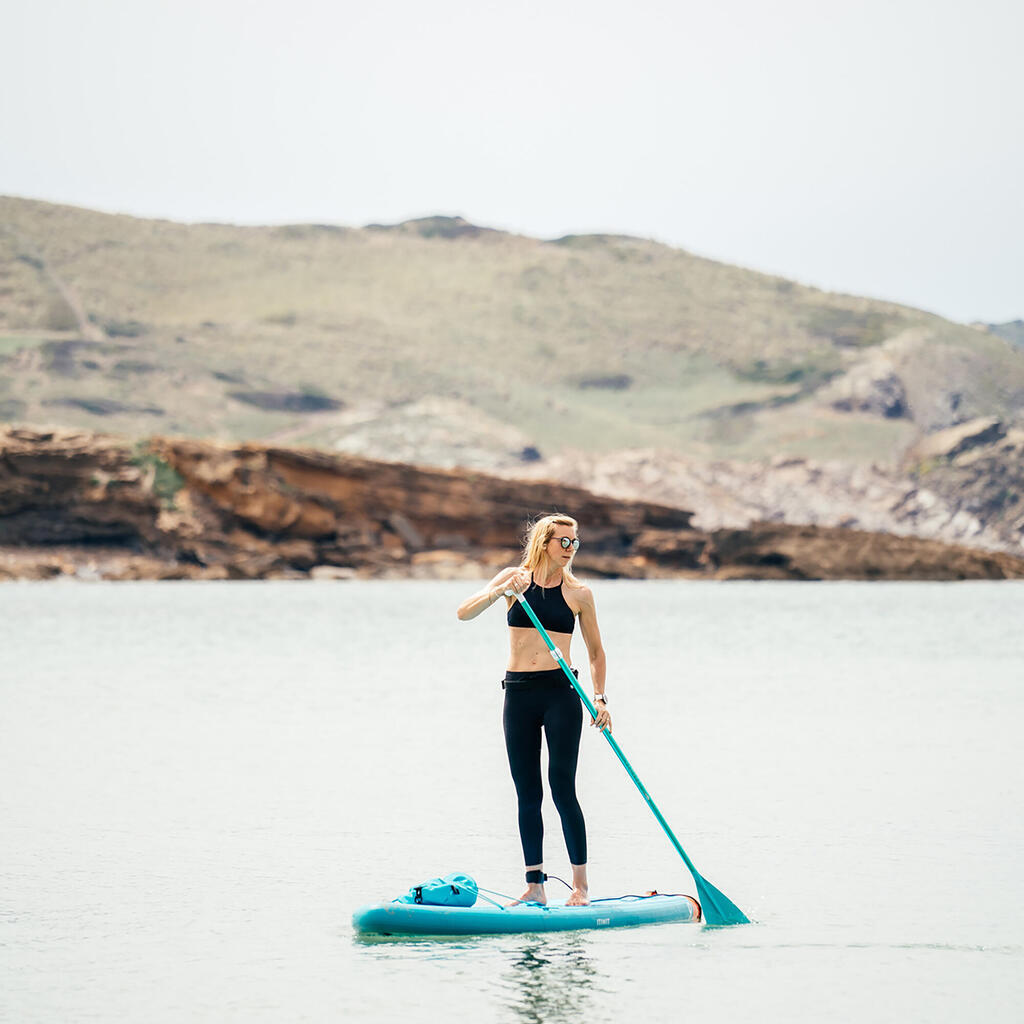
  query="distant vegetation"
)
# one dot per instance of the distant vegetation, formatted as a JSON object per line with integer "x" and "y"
{"x": 166, "y": 479}
{"x": 287, "y": 401}
{"x": 847, "y": 328}
{"x": 314, "y": 333}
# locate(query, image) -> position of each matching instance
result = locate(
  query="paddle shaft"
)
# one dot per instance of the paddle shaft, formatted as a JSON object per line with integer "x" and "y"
{"x": 588, "y": 704}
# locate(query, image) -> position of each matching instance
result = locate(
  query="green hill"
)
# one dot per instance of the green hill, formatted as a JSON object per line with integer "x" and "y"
{"x": 379, "y": 335}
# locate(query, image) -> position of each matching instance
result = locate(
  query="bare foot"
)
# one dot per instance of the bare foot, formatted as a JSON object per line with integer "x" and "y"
{"x": 533, "y": 894}
{"x": 578, "y": 898}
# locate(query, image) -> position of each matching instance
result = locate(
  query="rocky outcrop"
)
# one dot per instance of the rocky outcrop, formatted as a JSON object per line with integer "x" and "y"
{"x": 953, "y": 441}
{"x": 81, "y": 504}
{"x": 872, "y": 386}
{"x": 71, "y": 487}
{"x": 963, "y": 485}
{"x": 441, "y": 432}
{"x": 769, "y": 550}
{"x": 980, "y": 472}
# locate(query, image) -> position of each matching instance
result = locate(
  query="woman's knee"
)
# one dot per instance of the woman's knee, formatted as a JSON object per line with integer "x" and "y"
{"x": 530, "y": 794}
{"x": 563, "y": 793}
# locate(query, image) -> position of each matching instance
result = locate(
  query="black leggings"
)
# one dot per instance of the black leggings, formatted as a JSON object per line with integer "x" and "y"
{"x": 536, "y": 700}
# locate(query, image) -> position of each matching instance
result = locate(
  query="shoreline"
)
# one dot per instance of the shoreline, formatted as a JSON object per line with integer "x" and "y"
{"x": 80, "y": 505}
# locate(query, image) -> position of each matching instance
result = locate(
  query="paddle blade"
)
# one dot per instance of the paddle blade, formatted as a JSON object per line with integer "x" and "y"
{"x": 718, "y": 908}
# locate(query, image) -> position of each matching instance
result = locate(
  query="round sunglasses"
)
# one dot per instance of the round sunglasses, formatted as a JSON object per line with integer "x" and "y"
{"x": 569, "y": 542}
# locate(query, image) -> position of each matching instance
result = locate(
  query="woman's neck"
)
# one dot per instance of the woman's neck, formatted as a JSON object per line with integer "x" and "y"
{"x": 547, "y": 575}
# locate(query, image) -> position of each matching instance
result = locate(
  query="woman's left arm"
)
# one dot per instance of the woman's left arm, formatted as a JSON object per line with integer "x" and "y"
{"x": 595, "y": 650}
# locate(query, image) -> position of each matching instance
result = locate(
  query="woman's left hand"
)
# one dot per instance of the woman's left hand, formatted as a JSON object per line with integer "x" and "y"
{"x": 604, "y": 719}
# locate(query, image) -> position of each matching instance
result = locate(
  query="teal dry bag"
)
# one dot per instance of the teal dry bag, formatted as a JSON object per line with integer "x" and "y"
{"x": 454, "y": 890}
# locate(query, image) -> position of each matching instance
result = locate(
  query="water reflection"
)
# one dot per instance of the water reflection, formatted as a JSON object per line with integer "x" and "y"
{"x": 538, "y": 979}
{"x": 551, "y": 980}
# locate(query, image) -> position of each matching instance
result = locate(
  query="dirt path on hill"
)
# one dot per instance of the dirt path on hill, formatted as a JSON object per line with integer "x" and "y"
{"x": 86, "y": 329}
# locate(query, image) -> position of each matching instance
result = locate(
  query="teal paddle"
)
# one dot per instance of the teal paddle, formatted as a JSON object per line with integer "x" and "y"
{"x": 718, "y": 908}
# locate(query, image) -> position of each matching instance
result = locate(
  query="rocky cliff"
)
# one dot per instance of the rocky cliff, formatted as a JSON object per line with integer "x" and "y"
{"x": 962, "y": 485}
{"x": 96, "y": 506}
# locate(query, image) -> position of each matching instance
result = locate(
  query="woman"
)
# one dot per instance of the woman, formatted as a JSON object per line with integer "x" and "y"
{"x": 540, "y": 697}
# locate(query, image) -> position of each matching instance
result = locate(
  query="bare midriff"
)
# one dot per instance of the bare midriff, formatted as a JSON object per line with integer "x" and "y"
{"x": 529, "y": 653}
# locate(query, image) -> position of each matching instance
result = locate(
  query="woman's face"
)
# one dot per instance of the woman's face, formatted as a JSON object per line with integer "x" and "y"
{"x": 555, "y": 551}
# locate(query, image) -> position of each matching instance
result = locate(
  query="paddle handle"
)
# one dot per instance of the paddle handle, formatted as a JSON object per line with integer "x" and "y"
{"x": 612, "y": 742}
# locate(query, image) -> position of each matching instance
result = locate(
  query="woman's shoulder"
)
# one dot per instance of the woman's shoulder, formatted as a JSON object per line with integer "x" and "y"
{"x": 580, "y": 594}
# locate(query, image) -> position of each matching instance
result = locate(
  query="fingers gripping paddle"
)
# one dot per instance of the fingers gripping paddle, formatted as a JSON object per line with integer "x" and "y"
{"x": 718, "y": 908}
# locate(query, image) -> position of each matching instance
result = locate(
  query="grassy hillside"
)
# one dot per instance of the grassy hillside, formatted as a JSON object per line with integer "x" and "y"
{"x": 324, "y": 335}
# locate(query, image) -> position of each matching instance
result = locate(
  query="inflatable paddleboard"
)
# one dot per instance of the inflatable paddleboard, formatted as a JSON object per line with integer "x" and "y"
{"x": 398, "y": 918}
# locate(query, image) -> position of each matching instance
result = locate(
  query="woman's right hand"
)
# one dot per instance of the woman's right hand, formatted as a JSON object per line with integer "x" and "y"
{"x": 518, "y": 581}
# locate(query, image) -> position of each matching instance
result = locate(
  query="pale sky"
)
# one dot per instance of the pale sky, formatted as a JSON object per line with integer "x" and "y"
{"x": 872, "y": 147}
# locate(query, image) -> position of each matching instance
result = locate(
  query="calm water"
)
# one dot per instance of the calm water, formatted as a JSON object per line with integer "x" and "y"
{"x": 199, "y": 782}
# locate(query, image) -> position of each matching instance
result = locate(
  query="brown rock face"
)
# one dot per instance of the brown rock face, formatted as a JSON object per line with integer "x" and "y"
{"x": 777, "y": 551}
{"x": 378, "y": 515}
{"x": 172, "y": 508}
{"x": 72, "y": 487}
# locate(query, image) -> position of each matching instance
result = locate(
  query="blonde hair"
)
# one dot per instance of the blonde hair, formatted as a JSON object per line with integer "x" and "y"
{"x": 537, "y": 538}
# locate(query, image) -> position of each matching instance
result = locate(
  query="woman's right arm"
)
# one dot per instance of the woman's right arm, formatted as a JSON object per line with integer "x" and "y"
{"x": 483, "y": 599}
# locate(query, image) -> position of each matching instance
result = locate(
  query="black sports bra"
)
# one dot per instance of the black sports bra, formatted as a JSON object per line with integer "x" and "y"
{"x": 549, "y": 604}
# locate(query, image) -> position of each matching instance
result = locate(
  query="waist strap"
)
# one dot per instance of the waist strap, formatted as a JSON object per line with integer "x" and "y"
{"x": 546, "y": 679}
